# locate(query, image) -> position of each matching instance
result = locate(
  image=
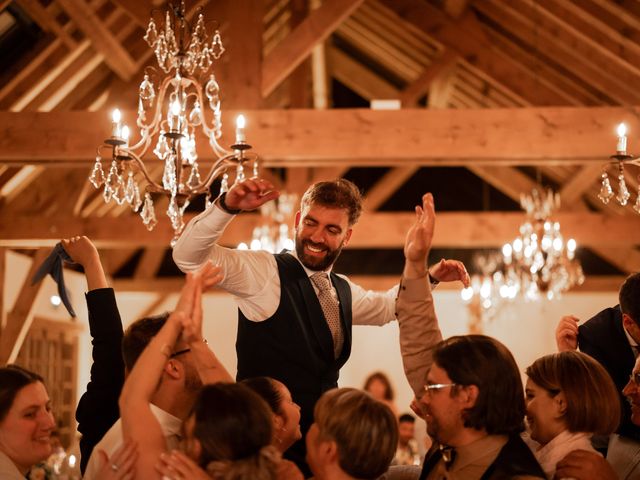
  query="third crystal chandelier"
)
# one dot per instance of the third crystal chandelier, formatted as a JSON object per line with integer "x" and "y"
{"x": 172, "y": 108}
{"x": 620, "y": 159}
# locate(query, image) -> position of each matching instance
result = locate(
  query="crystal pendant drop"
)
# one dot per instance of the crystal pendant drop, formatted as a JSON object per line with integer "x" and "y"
{"x": 216, "y": 46}
{"x": 212, "y": 91}
{"x": 205, "y": 59}
{"x": 111, "y": 183}
{"x": 162, "y": 148}
{"x": 135, "y": 205}
{"x": 636, "y": 206}
{"x": 175, "y": 214}
{"x": 147, "y": 92}
{"x": 97, "y": 174}
{"x": 151, "y": 36}
{"x": 169, "y": 175}
{"x": 606, "y": 192}
{"x": 194, "y": 177}
{"x": 195, "y": 116}
{"x": 240, "y": 174}
{"x": 255, "y": 169}
{"x": 224, "y": 183}
{"x": 623, "y": 192}
{"x": 129, "y": 191}
{"x": 118, "y": 192}
{"x": 148, "y": 213}
{"x": 208, "y": 200}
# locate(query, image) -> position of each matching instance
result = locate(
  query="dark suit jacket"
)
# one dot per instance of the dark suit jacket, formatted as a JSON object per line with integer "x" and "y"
{"x": 603, "y": 338}
{"x": 98, "y": 407}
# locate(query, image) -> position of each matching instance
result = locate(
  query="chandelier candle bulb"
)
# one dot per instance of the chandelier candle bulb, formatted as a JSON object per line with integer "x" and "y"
{"x": 621, "y": 147}
{"x": 240, "y": 124}
{"x": 116, "y": 116}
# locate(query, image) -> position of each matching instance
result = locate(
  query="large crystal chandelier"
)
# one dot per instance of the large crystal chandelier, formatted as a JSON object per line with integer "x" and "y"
{"x": 172, "y": 105}
{"x": 273, "y": 233}
{"x": 537, "y": 262}
{"x": 620, "y": 159}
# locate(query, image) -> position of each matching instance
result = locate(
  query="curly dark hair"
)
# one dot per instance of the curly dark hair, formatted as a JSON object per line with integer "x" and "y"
{"x": 340, "y": 193}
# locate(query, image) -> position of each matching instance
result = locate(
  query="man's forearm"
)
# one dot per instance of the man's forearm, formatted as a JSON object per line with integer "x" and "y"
{"x": 200, "y": 236}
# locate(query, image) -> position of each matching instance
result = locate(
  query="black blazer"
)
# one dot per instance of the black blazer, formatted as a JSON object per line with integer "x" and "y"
{"x": 603, "y": 338}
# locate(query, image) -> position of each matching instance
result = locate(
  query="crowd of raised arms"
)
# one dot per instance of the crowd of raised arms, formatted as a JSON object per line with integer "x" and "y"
{"x": 161, "y": 405}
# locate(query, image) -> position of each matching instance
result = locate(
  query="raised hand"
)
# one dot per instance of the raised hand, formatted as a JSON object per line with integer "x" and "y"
{"x": 81, "y": 250}
{"x": 419, "y": 236}
{"x": 567, "y": 333}
{"x": 250, "y": 194}
{"x": 450, "y": 271}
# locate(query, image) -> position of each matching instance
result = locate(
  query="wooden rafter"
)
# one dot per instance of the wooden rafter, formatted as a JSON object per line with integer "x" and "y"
{"x": 298, "y": 45}
{"x": 473, "y": 47}
{"x": 46, "y": 21}
{"x": 455, "y": 229}
{"x": 149, "y": 263}
{"x": 21, "y": 315}
{"x": 422, "y": 84}
{"x": 101, "y": 38}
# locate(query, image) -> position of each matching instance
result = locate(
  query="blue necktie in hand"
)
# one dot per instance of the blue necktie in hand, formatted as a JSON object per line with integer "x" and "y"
{"x": 52, "y": 265}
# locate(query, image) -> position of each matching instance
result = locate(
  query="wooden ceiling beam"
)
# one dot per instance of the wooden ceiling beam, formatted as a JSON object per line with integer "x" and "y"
{"x": 101, "y": 38}
{"x": 139, "y": 11}
{"x": 445, "y": 63}
{"x": 355, "y": 137}
{"x": 357, "y": 77}
{"x": 533, "y": 27}
{"x": 575, "y": 186}
{"x": 289, "y": 53}
{"x": 46, "y": 21}
{"x": 455, "y": 229}
{"x": 21, "y": 315}
{"x": 386, "y": 186}
{"x": 149, "y": 263}
{"x": 474, "y": 48}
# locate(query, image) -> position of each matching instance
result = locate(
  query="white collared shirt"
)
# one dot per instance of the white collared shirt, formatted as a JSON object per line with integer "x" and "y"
{"x": 252, "y": 276}
{"x": 171, "y": 427}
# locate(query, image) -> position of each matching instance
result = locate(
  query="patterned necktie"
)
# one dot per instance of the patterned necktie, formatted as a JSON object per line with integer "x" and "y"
{"x": 331, "y": 308}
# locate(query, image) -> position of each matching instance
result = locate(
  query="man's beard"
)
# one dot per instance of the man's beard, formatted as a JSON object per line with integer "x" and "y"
{"x": 316, "y": 264}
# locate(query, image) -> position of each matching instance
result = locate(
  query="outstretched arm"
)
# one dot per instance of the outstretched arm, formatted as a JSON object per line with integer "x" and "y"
{"x": 97, "y": 409}
{"x": 419, "y": 330}
{"x": 138, "y": 422}
{"x": 83, "y": 252}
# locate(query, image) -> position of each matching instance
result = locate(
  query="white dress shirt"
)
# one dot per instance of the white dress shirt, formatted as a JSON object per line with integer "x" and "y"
{"x": 252, "y": 276}
{"x": 171, "y": 427}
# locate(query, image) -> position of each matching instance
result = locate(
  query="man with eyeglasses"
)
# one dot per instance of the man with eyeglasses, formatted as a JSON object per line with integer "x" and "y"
{"x": 473, "y": 400}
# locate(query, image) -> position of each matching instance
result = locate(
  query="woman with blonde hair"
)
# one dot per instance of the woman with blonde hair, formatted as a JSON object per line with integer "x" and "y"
{"x": 569, "y": 398}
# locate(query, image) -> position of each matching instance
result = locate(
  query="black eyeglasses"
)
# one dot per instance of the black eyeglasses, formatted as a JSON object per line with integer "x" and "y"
{"x": 179, "y": 352}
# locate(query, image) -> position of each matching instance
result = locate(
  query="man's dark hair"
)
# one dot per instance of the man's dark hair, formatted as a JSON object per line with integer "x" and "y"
{"x": 489, "y": 365}
{"x": 138, "y": 335}
{"x": 629, "y": 297}
{"x": 406, "y": 418}
{"x": 340, "y": 193}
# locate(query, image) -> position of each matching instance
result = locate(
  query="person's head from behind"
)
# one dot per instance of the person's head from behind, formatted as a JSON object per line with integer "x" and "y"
{"x": 473, "y": 387}
{"x": 632, "y": 392}
{"x": 352, "y": 433}
{"x": 285, "y": 412}
{"x": 26, "y": 420}
{"x": 328, "y": 211}
{"x": 570, "y": 391}
{"x": 229, "y": 433}
{"x": 629, "y": 298}
{"x": 406, "y": 428}
{"x": 180, "y": 367}
{"x": 379, "y": 387}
